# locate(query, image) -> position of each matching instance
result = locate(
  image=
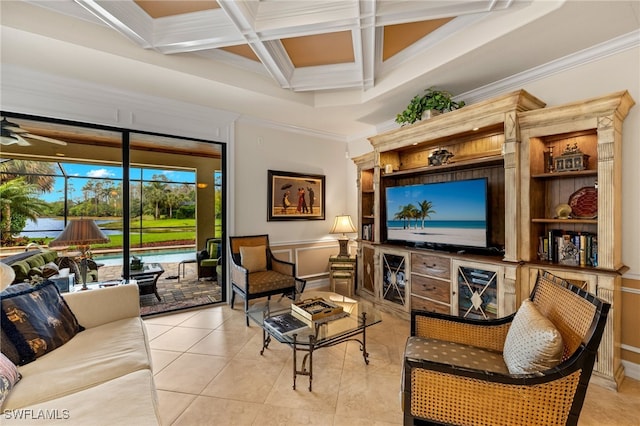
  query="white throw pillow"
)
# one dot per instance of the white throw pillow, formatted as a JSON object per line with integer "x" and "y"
{"x": 254, "y": 258}
{"x": 533, "y": 344}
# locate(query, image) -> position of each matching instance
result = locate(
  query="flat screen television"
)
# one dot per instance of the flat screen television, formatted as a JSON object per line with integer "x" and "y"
{"x": 444, "y": 214}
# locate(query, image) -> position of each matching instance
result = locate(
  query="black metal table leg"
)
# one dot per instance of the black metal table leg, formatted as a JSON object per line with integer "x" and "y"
{"x": 365, "y": 354}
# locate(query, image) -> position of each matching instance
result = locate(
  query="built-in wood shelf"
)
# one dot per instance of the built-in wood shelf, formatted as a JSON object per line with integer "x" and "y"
{"x": 453, "y": 165}
{"x": 577, "y": 221}
{"x": 559, "y": 175}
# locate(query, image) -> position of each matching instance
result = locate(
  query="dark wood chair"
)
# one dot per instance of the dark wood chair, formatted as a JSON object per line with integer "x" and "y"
{"x": 443, "y": 392}
{"x": 256, "y": 272}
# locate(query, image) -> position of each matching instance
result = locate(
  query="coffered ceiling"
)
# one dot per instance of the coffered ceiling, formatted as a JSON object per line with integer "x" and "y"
{"x": 304, "y": 45}
{"x": 336, "y": 65}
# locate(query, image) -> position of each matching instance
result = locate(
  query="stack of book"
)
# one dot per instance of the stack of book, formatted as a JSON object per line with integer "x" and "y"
{"x": 569, "y": 248}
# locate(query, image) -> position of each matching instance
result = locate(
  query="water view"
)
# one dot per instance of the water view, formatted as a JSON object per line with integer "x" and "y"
{"x": 52, "y": 226}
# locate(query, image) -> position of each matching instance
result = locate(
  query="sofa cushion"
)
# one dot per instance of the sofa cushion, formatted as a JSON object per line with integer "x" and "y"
{"x": 9, "y": 376}
{"x": 95, "y": 356}
{"x": 36, "y": 261}
{"x": 260, "y": 282}
{"x": 532, "y": 344}
{"x": 21, "y": 268}
{"x": 8, "y": 348}
{"x": 36, "y": 319}
{"x": 127, "y": 400}
{"x": 49, "y": 269}
{"x": 254, "y": 258}
{"x": 458, "y": 354}
{"x": 49, "y": 255}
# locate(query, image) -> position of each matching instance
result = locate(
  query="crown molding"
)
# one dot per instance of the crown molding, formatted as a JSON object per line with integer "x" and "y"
{"x": 600, "y": 51}
{"x": 290, "y": 128}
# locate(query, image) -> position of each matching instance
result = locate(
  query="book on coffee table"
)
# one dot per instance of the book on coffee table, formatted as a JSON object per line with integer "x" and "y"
{"x": 285, "y": 324}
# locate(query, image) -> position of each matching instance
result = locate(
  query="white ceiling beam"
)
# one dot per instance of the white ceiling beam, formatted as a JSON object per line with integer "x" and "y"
{"x": 196, "y": 31}
{"x": 400, "y": 12}
{"x": 365, "y": 43}
{"x": 125, "y": 17}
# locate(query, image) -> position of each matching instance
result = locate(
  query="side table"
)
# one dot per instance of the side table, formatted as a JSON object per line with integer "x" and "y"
{"x": 342, "y": 274}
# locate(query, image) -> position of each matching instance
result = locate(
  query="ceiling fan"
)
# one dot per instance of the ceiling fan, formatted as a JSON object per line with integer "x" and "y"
{"x": 14, "y": 134}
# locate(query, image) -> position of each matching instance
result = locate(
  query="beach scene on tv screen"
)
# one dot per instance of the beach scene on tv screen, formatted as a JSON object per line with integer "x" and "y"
{"x": 452, "y": 213}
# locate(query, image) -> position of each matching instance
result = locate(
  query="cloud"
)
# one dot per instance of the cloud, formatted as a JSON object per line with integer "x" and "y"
{"x": 99, "y": 173}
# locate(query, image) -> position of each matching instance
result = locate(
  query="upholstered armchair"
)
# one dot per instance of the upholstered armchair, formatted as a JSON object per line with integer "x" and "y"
{"x": 256, "y": 272}
{"x": 532, "y": 367}
{"x": 209, "y": 258}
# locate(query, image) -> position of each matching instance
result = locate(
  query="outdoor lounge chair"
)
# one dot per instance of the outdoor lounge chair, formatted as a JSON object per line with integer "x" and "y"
{"x": 209, "y": 258}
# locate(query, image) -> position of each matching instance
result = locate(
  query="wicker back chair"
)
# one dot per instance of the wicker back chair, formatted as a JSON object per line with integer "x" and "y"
{"x": 277, "y": 277}
{"x": 439, "y": 392}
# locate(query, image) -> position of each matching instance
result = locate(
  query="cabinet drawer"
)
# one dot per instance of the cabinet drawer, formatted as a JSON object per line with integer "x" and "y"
{"x": 427, "y": 305}
{"x": 433, "y": 289}
{"x": 434, "y": 266}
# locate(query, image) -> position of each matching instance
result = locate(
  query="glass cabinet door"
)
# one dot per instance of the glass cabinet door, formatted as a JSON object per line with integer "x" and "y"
{"x": 395, "y": 278}
{"x": 477, "y": 288}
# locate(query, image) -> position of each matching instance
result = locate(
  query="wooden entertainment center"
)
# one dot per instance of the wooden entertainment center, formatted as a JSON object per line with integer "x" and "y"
{"x": 536, "y": 161}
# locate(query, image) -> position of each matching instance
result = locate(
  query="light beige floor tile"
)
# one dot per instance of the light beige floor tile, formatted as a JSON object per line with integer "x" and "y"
{"x": 179, "y": 339}
{"x": 272, "y": 416}
{"x": 172, "y": 404}
{"x": 210, "y": 318}
{"x": 160, "y": 359}
{"x": 190, "y": 373}
{"x": 222, "y": 343}
{"x": 323, "y": 397}
{"x": 373, "y": 395}
{"x": 275, "y": 351}
{"x": 604, "y": 407}
{"x": 245, "y": 380}
{"x": 172, "y": 319}
{"x": 155, "y": 330}
{"x": 206, "y": 411}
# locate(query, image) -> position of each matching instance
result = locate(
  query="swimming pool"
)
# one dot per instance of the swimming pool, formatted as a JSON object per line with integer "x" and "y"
{"x": 148, "y": 256}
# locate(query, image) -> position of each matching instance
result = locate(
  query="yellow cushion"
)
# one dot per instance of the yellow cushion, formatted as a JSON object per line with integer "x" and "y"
{"x": 254, "y": 258}
{"x": 533, "y": 344}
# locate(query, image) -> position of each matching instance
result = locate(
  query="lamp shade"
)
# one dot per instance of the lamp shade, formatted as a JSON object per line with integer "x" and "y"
{"x": 80, "y": 232}
{"x": 342, "y": 225}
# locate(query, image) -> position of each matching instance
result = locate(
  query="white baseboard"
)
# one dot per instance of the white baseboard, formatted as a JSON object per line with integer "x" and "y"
{"x": 631, "y": 370}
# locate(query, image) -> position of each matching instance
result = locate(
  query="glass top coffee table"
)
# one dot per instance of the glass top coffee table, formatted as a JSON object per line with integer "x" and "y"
{"x": 357, "y": 317}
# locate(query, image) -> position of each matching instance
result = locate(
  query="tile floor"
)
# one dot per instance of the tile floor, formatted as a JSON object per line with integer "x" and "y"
{"x": 208, "y": 370}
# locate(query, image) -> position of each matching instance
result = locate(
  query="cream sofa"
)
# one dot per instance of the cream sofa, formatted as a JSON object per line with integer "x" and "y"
{"x": 102, "y": 376}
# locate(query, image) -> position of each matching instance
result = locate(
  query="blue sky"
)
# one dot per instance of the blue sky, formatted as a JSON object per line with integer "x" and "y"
{"x": 458, "y": 200}
{"x": 108, "y": 172}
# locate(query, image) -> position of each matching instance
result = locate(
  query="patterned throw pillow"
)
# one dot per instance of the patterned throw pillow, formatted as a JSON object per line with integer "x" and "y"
{"x": 9, "y": 376}
{"x": 533, "y": 344}
{"x": 254, "y": 258}
{"x": 36, "y": 320}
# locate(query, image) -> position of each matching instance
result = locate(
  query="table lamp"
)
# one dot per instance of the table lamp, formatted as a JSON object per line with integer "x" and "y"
{"x": 342, "y": 225}
{"x": 81, "y": 233}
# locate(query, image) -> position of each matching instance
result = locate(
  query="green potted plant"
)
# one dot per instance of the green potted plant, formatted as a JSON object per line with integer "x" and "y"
{"x": 436, "y": 100}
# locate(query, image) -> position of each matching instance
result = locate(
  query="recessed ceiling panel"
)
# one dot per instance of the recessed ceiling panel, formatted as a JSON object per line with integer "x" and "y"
{"x": 320, "y": 49}
{"x": 163, "y": 8}
{"x": 399, "y": 37}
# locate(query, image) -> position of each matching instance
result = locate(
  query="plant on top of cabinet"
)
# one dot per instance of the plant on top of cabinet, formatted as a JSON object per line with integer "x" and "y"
{"x": 437, "y": 100}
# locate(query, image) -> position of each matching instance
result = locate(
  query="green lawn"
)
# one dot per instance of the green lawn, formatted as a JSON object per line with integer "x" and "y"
{"x": 156, "y": 233}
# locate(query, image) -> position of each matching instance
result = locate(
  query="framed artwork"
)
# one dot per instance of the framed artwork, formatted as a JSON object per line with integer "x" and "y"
{"x": 295, "y": 196}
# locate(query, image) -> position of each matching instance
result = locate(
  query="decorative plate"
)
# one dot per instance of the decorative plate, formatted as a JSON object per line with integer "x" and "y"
{"x": 584, "y": 203}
